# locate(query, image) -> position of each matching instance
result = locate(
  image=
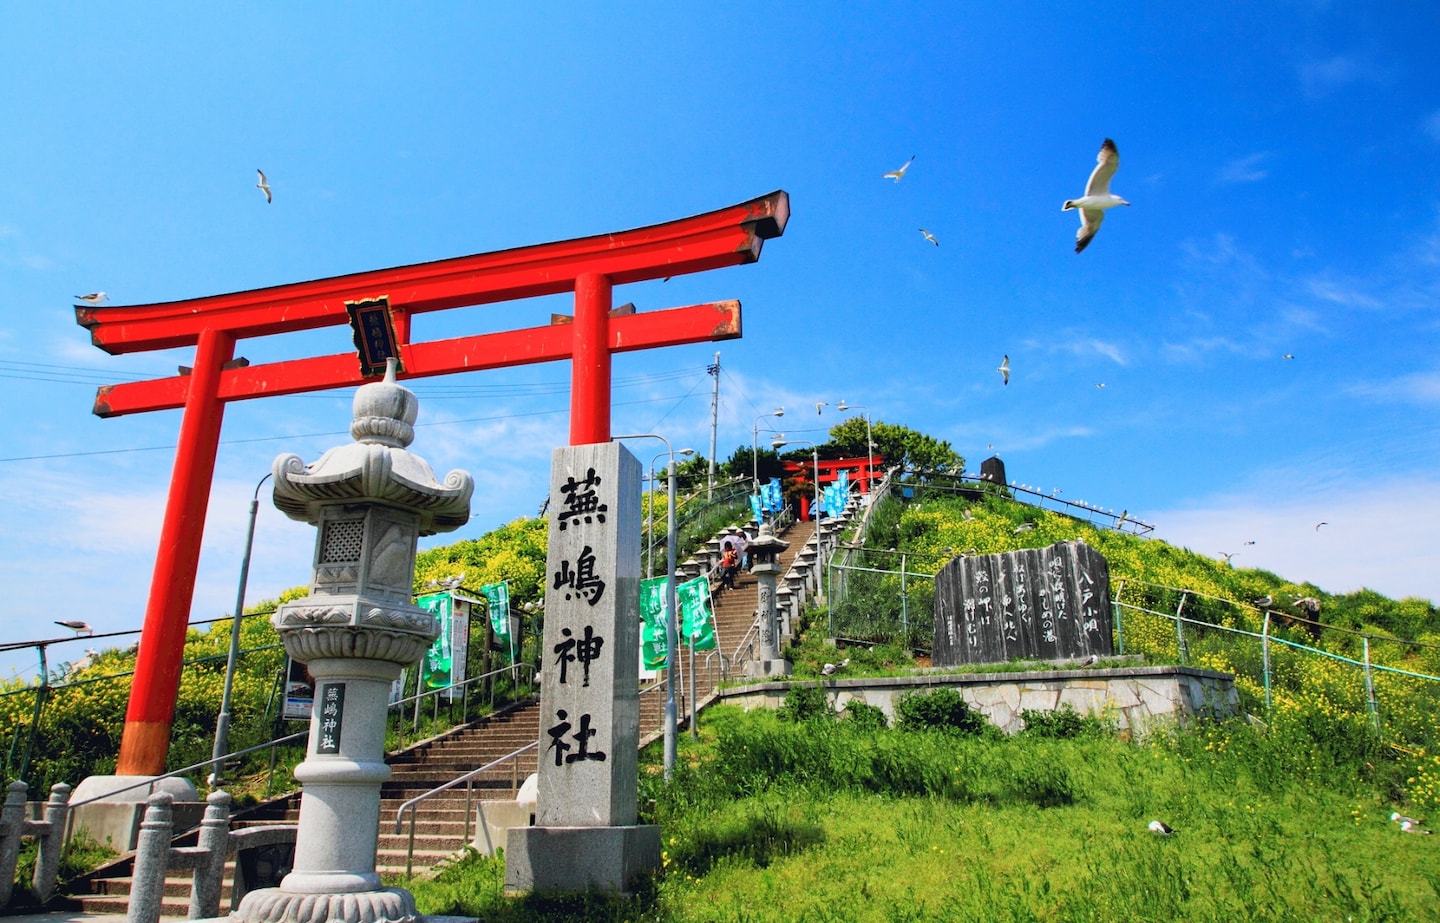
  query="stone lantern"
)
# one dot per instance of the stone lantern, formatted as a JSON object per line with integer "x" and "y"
{"x": 371, "y": 501}
{"x": 765, "y": 553}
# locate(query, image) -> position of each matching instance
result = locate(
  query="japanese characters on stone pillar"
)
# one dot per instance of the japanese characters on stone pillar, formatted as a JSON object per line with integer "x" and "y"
{"x": 585, "y": 834}
{"x": 371, "y": 500}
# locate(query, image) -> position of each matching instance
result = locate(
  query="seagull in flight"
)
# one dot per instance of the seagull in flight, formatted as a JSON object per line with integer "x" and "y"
{"x": 1097, "y": 197}
{"x": 264, "y": 186}
{"x": 1288, "y": 356}
{"x": 1004, "y": 369}
{"x": 93, "y": 298}
{"x": 1319, "y": 524}
{"x": 898, "y": 175}
{"x": 1227, "y": 555}
{"x": 930, "y": 237}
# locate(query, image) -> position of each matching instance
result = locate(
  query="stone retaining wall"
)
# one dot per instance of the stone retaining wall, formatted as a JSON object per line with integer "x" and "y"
{"x": 1138, "y": 699}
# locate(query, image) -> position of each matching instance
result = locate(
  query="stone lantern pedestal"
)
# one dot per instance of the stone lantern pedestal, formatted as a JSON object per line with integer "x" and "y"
{"x": 765, "y": 552}
{"x": 371, "y": 501}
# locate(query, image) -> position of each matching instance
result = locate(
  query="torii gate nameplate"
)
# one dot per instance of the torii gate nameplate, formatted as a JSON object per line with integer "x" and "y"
{"x": 589, "y": 266}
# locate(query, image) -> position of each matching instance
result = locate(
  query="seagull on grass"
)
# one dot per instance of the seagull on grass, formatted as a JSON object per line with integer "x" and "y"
{"x": 898, "y": 175}
{"x": 831, "y": 668}
{"x": 1097, "y": 198}
{"x": 1004, "y": 369}
{"x": 1399, "y": 818}
{"x": 1408, "y": 827}
{"x": 1162, "y": 828}
{"x": 93, "y": 298}
{"x": 264, "y": 186}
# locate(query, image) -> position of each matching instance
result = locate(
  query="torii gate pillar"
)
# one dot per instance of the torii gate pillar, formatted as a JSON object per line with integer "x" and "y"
{"x": 590, "y": 267}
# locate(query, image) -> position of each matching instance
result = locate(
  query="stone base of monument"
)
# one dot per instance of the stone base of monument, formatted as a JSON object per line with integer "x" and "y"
{"x": 387, "y": 905}
{"x": 758, "y": 669}
{"x": 114, "y": 820}
{"x": 579, "y": 858}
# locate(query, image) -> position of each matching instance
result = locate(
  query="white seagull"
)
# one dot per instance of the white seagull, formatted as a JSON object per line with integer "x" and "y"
{"x": 1161, "y": 828}
{"x": 81, "y": 629}
{"x": 1399, "y": 818}
{"x": 898, "y": 175}
{"x": 264, "y": 186}
{"x": 1097, "y": 197}
{"x": 1408, "y": 827}
{"x": 93, "y": 298}
{"x": 930, "y": 237}
{"x": 1004, "y": 369}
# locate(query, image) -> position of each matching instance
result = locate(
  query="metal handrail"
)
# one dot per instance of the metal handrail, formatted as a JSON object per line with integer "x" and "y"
{"x": 209, "y": 761}
{"x": 467, "y": 778}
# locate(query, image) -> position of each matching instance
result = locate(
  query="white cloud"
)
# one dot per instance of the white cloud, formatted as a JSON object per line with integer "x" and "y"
{"x": 1381, "y": 537}
{"x": 1416, "y": 388}
{"x": 1244, "y": 170}
{"x": 1431, "y": 126}
{"x": 1319, "y": 78}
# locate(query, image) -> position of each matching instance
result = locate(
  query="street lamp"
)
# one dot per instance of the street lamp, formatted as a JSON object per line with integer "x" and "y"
{"x": 869, "y": 442}
{"x": 222, "y": 721}
{"x": 672, "y": 630}
{"x": 650, "y": 528}
{"x": 755, "y": 444}
{"x": 815, "y": 457}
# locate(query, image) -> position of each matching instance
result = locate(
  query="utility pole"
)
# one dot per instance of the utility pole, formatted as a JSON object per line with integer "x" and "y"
{"x": 714, "y": 371}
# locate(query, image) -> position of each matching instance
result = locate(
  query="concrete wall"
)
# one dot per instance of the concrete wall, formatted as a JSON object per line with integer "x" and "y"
{"x": 1138, "y": 699}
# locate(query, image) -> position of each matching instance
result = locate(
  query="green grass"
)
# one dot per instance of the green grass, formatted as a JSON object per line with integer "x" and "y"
{"x": 773, "y": 820}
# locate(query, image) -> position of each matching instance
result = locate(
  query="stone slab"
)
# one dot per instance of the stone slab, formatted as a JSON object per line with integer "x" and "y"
{"x": 551, "y": 859}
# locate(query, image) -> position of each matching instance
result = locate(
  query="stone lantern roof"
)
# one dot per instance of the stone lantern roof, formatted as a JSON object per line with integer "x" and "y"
{"x": 376, "y": 467}
{"x": 765, "y": 546}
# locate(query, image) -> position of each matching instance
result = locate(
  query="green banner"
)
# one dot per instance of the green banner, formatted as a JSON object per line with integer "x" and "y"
{"x": 439, "y": 659}
{"x": 697, "y": 624}
{"x": 653, "y": 645}
{"x": 497, "y": 598}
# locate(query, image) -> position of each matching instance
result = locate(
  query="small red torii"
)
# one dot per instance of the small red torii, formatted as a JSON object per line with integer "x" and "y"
{"x": 589, "y": 266}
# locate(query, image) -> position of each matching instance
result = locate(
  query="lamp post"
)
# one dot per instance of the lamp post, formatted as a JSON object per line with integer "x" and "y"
{"x": 650, "y": 528}
{"x": 869, "y": 442}
{"x": 779, "y": 441}
{"x": 222, "y": 721}
{"x": 672, "y": 630}
{"x": 755, "y": 445}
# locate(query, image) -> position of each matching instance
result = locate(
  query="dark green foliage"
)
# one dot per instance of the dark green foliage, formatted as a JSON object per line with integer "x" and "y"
{"x": 1064, "y": 723}
{"x": 806, "y": 703}
{"x": 864, "y": 717}
{"x": 941, "y": 709}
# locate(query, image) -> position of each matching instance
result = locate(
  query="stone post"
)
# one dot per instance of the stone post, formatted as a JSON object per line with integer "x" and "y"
{"x": 764, "y": 553}
{"x": 371, "y": 501}
{"x": 586, "y": 834}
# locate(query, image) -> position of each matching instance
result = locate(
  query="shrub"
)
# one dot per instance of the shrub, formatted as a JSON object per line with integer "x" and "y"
{"x": 1062, "y": 724}
{"x": 806, "y": 703}
{"x": 865, "y": 717}
{"x": 941, "y": 709}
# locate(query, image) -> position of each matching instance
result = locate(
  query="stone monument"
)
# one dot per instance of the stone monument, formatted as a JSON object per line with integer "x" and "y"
{"x": 1037, "y": 603}
{"x": 371, "y": 500}
{"x": 585, "y": 834}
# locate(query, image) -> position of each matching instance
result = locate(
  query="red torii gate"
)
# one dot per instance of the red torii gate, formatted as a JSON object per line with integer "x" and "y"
{"x": 589, "y": 266}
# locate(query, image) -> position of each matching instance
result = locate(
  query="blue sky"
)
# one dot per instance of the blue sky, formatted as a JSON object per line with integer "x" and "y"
{"x": 1281, "y": 160}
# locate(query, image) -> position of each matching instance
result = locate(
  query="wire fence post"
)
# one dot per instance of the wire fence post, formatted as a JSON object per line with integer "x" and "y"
{"x": 1115, "y": 612}
{"x": 1265, "y": 661}
{"x": 1180, "y": 628}
{"x": 1370, "y": 688}
{"x": 904, "y": 604}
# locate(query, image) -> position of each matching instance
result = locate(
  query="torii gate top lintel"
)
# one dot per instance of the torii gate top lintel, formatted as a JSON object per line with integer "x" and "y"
{"x": 725, "y": 237}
